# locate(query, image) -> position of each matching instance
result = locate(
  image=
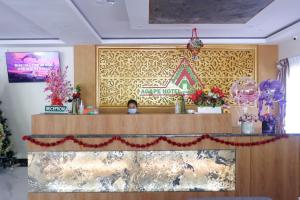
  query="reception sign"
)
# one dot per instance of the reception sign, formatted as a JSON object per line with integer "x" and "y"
{"x": 30, "y": 66}
{"x": 132, "y": 171}
{"x": 154, "y": 76}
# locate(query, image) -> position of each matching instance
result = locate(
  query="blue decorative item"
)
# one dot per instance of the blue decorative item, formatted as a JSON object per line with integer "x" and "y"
{"x": 268, "y": 127}
{"x": 270, "y": 91}
{"x": 268, "y": 123}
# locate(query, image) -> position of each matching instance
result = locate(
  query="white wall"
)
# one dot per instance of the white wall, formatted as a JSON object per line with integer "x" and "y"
{"x": 21, "y": 100}
{"x": 289, "y": 48}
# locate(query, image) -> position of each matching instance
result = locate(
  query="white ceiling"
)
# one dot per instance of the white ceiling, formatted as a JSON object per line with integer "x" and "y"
{"x": 126, "y": 21}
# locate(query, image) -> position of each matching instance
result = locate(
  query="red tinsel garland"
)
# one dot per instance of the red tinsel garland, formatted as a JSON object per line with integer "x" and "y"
{"x": 149, "y": 144}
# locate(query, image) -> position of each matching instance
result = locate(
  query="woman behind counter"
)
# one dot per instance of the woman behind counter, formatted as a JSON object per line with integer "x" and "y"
{"x": 132, "y": 106}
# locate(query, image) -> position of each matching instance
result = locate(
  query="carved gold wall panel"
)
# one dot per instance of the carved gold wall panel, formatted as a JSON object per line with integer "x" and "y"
{"x": 123, "y": 71}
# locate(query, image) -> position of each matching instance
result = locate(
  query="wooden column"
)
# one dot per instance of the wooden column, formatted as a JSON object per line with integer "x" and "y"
{"x": 275, "y": 169}
{"x": 267, "y": 56}
{"x": 85, "y": 72}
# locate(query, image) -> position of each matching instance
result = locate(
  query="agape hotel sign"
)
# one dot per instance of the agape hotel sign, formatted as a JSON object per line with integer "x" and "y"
{"x": 183, "y": 81}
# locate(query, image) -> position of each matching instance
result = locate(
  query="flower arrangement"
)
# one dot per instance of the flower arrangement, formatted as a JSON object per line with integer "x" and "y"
{"x": 208, "y": 97}
{"x": 76, "y": 93}
{"x": 59, "y": 87}
{"x": 76, "y": 100}
{"x": 247, "y": 117}
{"x": 271, "y": 91}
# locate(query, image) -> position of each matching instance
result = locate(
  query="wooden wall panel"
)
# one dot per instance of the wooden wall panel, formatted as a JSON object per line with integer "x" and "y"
{"x": 131, "y": 124}
{"x": 267, "y": 67}
{"x": 275, "y": 169}
{"x": 85, "y": 72}
{"x": 267, "y": 56}
{"x": 243, "y": 164}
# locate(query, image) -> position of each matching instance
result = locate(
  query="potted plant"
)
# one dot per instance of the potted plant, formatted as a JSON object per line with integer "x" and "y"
{"x": 268, "y": 123}
{"x": 76, "y": 100}
{"x": 60, "y": 90}
{"x": 247, "y": 123}
{"x": 208, "y": 100}
{"x": 271, "y": 92}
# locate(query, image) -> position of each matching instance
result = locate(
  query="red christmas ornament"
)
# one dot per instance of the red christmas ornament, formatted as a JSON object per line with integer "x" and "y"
{"x": 195, "y": 44}
{"x": 149, "y": 144}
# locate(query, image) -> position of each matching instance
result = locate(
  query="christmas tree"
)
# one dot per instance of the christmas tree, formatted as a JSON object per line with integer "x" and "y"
{"x": 7, "y": 158}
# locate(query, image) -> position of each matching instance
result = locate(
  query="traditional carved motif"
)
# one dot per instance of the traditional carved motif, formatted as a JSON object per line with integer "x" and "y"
{"x": 123, "y": 71}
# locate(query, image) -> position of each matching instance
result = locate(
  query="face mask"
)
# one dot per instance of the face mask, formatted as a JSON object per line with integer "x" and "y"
{"x": 132, "y": 110}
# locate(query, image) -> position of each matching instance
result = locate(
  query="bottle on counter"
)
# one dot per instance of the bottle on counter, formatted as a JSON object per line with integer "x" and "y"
{"x": 182, "y": 105}
{"x": 177, "y": 107}
{"x": 81, "y": 108}
{"x": 75, "y": 106}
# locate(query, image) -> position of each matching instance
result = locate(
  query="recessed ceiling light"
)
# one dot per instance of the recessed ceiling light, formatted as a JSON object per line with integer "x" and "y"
{"x": 111, "y": 2}
{"x": 100, "y": 1}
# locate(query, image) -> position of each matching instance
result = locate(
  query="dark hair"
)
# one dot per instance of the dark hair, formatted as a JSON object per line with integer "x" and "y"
{"x": 132, "y": 101}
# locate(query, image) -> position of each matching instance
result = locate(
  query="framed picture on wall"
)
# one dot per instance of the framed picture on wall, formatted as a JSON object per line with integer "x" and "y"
{"x": 30, "y": 66}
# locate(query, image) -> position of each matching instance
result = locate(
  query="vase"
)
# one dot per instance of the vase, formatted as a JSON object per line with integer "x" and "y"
{"x": 75, "y": 106}
{"x": 247, "y": 127}
{"x": 182, "y": 106}
{"x": 268, "y": 127}
{"x": 208, "y": 110}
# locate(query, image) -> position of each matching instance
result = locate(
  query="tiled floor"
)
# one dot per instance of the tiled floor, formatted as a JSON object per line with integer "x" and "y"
{"x": 13, "y": 184}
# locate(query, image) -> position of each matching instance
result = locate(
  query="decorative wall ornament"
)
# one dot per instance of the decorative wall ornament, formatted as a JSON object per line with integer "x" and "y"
{"x": 122, "y": 72}
{"x": 132, "y": 171}
{"x": 194, "y": 45}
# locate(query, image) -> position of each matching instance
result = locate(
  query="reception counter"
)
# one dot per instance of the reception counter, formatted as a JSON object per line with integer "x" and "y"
{"x": 131, "y": 124}
{"x": 264, "y": 169}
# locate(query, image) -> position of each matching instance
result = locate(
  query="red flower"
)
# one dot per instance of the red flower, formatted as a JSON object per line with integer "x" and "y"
{"x": 199, "y": 92}
{"x": 216, "y": 90}
{"x": 76, "y": 95}
{"x": 56, "y": 101}
{"x": 194, "y": 97}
